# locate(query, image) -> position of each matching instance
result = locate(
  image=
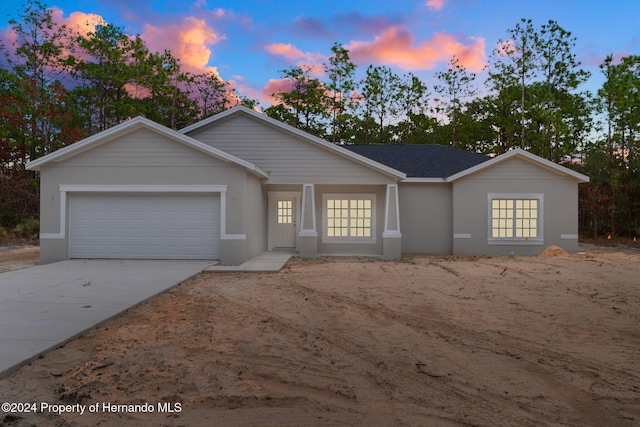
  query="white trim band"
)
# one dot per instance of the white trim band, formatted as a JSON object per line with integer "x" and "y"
{"x": 64, "y": 189}
{"x": 233, "y": 237}
{"x": 144, "y": 188}
{"x": 569, "y": 236}
{"x": 392, "y": 235}
{"x": 51, "y": 236}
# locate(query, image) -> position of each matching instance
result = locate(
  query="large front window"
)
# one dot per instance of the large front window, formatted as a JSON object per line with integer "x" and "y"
{"x": 349, "y": 217}
{"x": 515, "y": 217}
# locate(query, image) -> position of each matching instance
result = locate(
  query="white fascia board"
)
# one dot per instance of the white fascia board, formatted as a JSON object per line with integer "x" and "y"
{"x": 527, "y": 156}
{"x": 213, "y": 119}
{"x": 425, "y": 180}
{"x": 300, "y": 133}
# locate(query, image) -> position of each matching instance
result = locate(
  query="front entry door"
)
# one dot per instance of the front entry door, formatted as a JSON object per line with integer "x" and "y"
{"x": 283, "y": 219}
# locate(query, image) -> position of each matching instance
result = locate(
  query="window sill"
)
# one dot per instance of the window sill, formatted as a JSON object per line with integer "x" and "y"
{"x": 516, "y": 242}
{"x": 349, "y": 240}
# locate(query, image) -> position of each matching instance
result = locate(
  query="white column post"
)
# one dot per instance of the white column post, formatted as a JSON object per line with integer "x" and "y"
{"x": 308, "y": 236}
{"x": 391, "y": 237}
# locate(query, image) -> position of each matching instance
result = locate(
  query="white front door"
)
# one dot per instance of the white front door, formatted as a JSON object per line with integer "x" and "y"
{"x": 283, "y": 219}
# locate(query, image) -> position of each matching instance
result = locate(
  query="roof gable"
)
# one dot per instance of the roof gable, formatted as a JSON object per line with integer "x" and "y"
{"x": 431, "y": 161}
{"x": 299, "y": 134}
{"x": 531, "y": 158}
{"x": 132, "y": 126}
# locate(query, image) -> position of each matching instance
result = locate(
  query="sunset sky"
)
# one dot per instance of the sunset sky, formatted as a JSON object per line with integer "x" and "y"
{"x": 249, "y": 41}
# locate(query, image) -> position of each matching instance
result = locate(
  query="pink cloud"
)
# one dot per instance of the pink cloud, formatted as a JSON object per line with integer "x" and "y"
{"x": 396, "y": 46}
{"x": 436, "y": 4}
{"x": 275, "y": 86}
{"x": 219, "y": 13}
{"x": 286, "y": 50}
{"x": 505, "y": 48}
{"x": 295, "y": 55}
{"x": 83, "y": 23}
{"x": 317, "y": 70}
{"x": 595, "y": 60}
{"x": 188, "y": 39}
{"x": 79, "y": 23}
{"x": 8, "y": 36}
{"x": 223, "y": 16}
{"x": 242, "y": 86}
{"x": 292, "y": 53}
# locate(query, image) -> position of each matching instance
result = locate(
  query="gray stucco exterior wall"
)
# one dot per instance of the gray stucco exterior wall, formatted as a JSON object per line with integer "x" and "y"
{"x": 515, "y": 176}
{"x": 256, "y": 225}
{"x": 140, "y": 158}
{"x": 288, "y": 158}
{"x": 426, "y": 218}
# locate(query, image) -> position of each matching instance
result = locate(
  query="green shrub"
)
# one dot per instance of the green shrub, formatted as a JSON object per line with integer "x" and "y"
{"x": 28, "y": 228}
{"x": 8, "y": 219}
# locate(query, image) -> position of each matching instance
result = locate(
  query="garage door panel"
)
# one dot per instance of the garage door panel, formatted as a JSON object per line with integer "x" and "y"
{"x": 151, "y": 226}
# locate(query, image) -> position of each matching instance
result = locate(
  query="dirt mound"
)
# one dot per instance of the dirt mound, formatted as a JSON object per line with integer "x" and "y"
{"x": 554, "y": 251}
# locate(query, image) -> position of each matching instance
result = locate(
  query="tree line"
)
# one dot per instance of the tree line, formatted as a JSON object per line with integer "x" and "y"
{"x": 59, "y": 85}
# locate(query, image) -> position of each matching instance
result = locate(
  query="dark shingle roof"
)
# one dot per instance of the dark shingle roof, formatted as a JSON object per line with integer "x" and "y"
{"x": 421, "y": 160}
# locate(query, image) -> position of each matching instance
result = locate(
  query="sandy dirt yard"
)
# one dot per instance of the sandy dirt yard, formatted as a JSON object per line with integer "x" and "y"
{"x": 18, "y": 257}
{"x": 427, "y": 341}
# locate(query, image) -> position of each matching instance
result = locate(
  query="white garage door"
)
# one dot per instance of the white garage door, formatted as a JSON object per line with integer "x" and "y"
{"x": 144, "y": 226}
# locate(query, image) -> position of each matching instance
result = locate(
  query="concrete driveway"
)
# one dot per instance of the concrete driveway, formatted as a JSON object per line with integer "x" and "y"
{"x": 43, "y": 307}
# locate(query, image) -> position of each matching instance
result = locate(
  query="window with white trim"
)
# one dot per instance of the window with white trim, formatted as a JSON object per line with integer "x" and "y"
{"x": 515, "y": 218}
{"x": 349, "y": 218}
